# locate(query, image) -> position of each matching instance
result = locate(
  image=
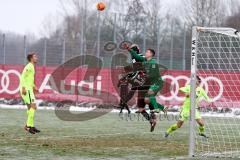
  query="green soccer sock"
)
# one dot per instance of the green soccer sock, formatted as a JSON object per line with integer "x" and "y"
{"x": 160, "y": 106}
{"x": 156, "y": 105}
{"x": 172, "y": 128}
{"x": 30, "y": 119}
{"x": 201, "y": 129}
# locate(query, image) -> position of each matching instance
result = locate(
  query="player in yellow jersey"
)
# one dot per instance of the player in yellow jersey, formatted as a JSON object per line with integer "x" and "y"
{"x": 28, "y": 90}
{"x": 185, "y": 112}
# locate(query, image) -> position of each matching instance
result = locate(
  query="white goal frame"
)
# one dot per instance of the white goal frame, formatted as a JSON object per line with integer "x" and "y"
{"x": 194, "y": 55}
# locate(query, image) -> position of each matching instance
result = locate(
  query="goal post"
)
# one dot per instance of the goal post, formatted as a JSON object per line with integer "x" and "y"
{"x": 193, "y": 93}
{"x": 215, "y": 57}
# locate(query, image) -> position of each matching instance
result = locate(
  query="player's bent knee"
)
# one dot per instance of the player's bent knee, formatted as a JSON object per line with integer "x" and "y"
{"x": 141, "y": 109}
{"x": 28, "y": 106}
{"x": 200, "y": 122}
{"x": 33, "y": 105}
{"x": 179, "y": 124}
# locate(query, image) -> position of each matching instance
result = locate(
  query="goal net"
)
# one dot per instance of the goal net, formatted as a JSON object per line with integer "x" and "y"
{"x": 216, "y": 59}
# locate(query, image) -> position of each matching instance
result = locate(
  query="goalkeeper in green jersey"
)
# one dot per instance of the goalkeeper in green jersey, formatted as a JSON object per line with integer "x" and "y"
{"x": 185, "y": 112}
{"x": 27, "y": 90}
{"x": 152, "y": 85}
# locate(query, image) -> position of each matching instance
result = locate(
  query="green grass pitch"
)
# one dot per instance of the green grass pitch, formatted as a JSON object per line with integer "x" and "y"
{"x": 106, "y": 137}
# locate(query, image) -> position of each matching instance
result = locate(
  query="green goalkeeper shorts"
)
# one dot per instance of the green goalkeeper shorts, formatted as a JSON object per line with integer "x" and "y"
{"x": 29, "y": 97}
{"x": 155, "y": 88}
{"x": 184, "y": 115}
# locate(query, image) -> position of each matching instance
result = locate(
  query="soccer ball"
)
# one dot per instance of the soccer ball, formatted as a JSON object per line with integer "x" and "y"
{"x": 101, "y": 6}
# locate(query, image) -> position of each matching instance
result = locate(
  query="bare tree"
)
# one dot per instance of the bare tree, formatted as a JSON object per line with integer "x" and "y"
{"x": 158, "y": 21}
{"x": 233, "y": 20}
{"x": 50, "y": 26}
{"x": 204, "y": 12}
{"x": 233, "y": 6}
{"x": 153, "y": 10}
{"x": 136, "y": 17}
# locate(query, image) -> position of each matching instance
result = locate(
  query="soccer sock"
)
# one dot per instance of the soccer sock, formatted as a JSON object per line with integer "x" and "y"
{"x": 27, "y": 116}
{"x": 172, "y": 128}
{"x": 201, "y": 129}
{"x": 145, "y": 114}
{"x": 153, "y": 116}
{"x": 156, "y": 105}
{"x": 127, "y": 108}
{"x": 30, "y": 119}
{"x": 160, "y": 106}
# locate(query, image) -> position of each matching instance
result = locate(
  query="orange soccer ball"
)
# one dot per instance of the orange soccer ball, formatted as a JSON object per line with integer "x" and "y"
{"x": 101, "y": 6}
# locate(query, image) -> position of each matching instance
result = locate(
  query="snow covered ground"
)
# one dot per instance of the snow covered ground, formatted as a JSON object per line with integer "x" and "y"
{"x": 86, "y": 107}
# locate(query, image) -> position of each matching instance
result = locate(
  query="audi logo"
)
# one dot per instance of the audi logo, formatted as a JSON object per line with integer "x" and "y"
{"x": 5, "y": 81}
{"x": 175, "y": 83}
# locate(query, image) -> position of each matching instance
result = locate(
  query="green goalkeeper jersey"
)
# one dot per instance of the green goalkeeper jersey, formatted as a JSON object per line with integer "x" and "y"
{"x": 150, "y": 66}
{"x": 27, "y": 77}
{"x": 200, "y": 93}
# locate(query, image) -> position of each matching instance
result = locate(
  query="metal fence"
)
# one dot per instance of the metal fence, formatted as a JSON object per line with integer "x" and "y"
{"x": 172, "y": 52}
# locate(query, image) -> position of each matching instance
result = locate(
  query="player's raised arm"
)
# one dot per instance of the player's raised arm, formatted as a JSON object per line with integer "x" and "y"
{"x": 133, "y": 53}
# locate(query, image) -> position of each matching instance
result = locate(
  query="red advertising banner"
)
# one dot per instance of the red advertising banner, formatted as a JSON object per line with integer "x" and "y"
{"x": 89, "y": 85}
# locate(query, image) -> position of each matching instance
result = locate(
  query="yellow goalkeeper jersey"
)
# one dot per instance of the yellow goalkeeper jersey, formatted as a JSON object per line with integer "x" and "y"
{"x": 200, "y": 93}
